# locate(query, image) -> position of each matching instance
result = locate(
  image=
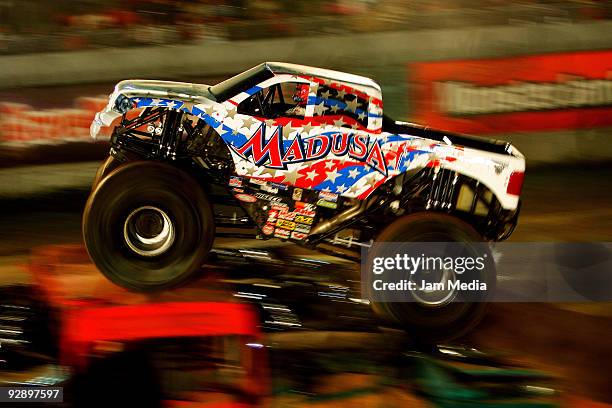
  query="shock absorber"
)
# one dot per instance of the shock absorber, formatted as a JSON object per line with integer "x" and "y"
{"x": 171, "y": 134}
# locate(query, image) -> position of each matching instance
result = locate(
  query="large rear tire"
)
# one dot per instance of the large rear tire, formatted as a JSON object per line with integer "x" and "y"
{"x": 148, "y": 226}
{"x": 431, "y": 321}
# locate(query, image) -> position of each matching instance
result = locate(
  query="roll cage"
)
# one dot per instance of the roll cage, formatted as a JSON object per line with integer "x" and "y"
{"x": 270, "y": 102}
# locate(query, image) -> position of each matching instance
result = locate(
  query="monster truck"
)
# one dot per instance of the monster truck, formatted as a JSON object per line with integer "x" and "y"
{"x": 308, "y": 156}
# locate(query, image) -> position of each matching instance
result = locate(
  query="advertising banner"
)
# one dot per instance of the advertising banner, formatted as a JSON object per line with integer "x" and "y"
{"x": 547, "y": 92}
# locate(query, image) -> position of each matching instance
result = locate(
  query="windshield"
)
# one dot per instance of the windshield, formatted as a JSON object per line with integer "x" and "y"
{"x": 241, "y": 82}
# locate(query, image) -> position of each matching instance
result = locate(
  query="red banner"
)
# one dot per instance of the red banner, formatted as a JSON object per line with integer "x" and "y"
{"x": 503, "y": 95}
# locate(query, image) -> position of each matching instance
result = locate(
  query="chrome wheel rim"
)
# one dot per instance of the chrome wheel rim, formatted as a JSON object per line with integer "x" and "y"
{"x": 148, "y": 231}
{"x": 435, "y": 297}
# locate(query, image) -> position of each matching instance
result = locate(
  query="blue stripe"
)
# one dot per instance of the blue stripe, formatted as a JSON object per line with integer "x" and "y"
{"x": 253, "y": 90}
{"x": 344, "y": 178}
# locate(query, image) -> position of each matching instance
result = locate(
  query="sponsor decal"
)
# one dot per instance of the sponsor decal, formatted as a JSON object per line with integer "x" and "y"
{"x": 302, "y": 228}
{"x": 268, "y": 197}
{"x": 280, "y": 207}
{"x": 305, "y": 206}
{"x": 247, "y": 198}
{"x": 269, "y": 151}
{"x": 269, "y": 188}
{"x": 268, "y": 229}
{"x": 259, "y": 182}
{"x": 281, "y": 233}
{"x": 328, "y": 196}
{"x": 238, "y": 190}
{"x": 235, "y": 181}
{"x": 546, "y": 92}
{"x": 290, "y": 225}
{"x": 327, "y": 204}
{"x": 298, "y": 235}
{"x": 279, "y": 186}
{"x": 272, "y": 215}
{"x": 287, "y": 215}
{"x": 304, "y": 220}
{"x": 307, "y": 213}
{"x": 297, "y": 194}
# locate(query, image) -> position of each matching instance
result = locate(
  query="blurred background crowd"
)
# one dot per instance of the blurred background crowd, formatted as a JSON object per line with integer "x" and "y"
{"x": 29, "y": 26}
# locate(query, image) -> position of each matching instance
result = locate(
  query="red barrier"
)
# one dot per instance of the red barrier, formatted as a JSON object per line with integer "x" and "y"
{"x": 97, "y": 318}
{"x": 82, "y": 328}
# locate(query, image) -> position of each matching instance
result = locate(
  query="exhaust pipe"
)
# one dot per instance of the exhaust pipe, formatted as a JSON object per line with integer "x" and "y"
{"x": 340, "y": 220}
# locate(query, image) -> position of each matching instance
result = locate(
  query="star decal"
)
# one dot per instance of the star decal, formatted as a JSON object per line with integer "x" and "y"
{"x": 353, "y": 173}
{"x": 269, "y": 122}
{"x": 341, "y": 188}
{"x": 249, "y": 122}
{"x": 209, "y": 110}
{"x": 332, "y": 175}
{"x": 371, "y": 179}
{"x": 334, "y": 108}
{"x": 287, "y": 129}
{"x": 310, "y": 175}
{"x": 326, "y": 94}
{"x": 270, "y": 172}
{"x": 341, "y": 93}
{"x": 352, "y": 105}
{"x": 361, "y": 116}
{"x": 320, "y": 109}
{"x": 292, "y": 176}
{"x": 231, "y": 113}
{"x": 353, "y": 189}
{"x": 307, "y": 128}
{"x": 329, "y": 164}
{"x": 339, "y": 122}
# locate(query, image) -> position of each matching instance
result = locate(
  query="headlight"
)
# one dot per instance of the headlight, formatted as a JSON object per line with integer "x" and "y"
{"x": 94, "y": 129}
{"x": 123, "y": 104}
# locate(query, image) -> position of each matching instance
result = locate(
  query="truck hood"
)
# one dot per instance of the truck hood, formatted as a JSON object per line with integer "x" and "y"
{"x": 168, "y": 89}
{"x": 145, "y": 88}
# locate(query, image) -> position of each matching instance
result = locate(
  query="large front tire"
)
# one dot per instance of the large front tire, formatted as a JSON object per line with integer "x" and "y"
{"x": 107, "y": 166}
{"x": 431, "y": 321}
{"x": 148, "y": 226}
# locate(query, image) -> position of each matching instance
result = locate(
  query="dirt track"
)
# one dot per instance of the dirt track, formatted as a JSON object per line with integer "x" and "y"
{"x": 571, "y": 341}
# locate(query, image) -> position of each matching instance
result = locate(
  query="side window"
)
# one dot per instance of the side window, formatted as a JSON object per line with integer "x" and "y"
{"x": 337, "y": 102}
{"x": 287, "y": 99}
